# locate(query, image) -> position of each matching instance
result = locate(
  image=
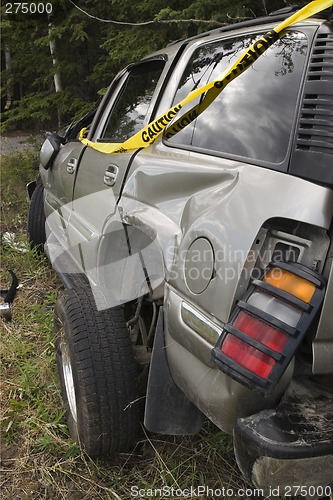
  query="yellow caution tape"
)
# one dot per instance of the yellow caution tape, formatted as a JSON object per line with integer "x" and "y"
{"x": 154, "y": 129}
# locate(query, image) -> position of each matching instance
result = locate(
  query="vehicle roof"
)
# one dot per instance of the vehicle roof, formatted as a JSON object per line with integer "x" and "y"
{"x": 265, "y": 23}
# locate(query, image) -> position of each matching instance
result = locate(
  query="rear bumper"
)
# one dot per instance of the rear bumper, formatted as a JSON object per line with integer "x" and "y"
{"x": 290, "y": 445}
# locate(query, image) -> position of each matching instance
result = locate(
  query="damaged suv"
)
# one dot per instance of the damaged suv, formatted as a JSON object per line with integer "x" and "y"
{"x": 198, "y": 270}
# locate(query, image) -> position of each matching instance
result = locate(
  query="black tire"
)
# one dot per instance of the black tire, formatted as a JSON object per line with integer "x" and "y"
{"x": 101, "y": 394}
{"x": 36, "y": 218}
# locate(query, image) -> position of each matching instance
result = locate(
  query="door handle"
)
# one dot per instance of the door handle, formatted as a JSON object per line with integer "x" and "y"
{"x": 71, "y": 165}
{"x": 110, "y": 175}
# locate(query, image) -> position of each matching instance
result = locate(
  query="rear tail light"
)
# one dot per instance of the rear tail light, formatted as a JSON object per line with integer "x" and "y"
{"x": 268, "y": 325}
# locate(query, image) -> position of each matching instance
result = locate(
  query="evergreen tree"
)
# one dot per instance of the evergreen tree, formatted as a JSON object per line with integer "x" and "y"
{"x": 55, "y": 65}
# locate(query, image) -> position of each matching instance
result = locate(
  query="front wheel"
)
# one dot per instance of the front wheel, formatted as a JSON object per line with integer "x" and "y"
{"x": 98, "y": 374}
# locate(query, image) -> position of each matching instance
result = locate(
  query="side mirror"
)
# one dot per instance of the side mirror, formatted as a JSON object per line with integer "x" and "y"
{"x": 50, "y": 149}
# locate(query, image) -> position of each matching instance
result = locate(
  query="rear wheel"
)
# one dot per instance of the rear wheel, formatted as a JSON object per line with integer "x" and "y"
{"x": 36, "y": 218}
{"x": 98, "y": 374}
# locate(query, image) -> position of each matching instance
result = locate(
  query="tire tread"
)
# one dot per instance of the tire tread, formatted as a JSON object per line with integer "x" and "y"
{"x": 105, "y": 372}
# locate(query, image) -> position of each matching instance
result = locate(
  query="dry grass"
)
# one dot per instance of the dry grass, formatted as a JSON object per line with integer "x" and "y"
{"x": 38, "y": 458}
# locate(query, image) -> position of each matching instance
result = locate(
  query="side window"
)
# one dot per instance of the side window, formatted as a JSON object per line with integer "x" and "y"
{"x": 129, "y": 111}
{"x": 253, "y": 115}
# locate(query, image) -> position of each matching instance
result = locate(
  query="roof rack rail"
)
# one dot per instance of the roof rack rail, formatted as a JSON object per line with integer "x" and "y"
{"x": 277, "y": 15}
{"x": 285, "y": 10}
{"x": 256, "y": 20}
{"x": 326, "y": 14}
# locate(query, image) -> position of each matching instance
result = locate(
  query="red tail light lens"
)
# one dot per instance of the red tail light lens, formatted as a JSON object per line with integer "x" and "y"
{"x": 267, "y": 326}
{"x": 258, "y": 330}
{"x": 247, "y": 356}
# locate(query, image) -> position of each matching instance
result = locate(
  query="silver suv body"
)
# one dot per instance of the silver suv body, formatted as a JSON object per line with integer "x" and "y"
{"x": 221, "y": 231}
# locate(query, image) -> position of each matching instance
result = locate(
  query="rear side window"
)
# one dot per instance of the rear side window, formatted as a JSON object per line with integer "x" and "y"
{"x": 130, "y": 110}
{"x": 253, "y": 115}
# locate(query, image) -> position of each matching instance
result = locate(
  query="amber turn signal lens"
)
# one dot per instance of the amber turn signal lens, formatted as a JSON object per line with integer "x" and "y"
{"x": 291, "y": 283}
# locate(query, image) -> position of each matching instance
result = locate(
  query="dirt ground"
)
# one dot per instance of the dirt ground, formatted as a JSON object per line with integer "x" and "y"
{"x": 18, "y": 141}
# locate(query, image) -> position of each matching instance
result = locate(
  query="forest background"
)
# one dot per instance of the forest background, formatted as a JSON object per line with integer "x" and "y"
{"x": 56, "y": 65}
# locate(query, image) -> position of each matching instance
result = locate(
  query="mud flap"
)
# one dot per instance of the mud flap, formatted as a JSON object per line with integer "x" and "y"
{"x": 30, "y": 188}
{"x": 168, "y": 410}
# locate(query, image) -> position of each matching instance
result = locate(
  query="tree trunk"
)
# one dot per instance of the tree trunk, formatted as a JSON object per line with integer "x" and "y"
{"x": 8, "y": 65}
{"x": 52, "y": 44}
